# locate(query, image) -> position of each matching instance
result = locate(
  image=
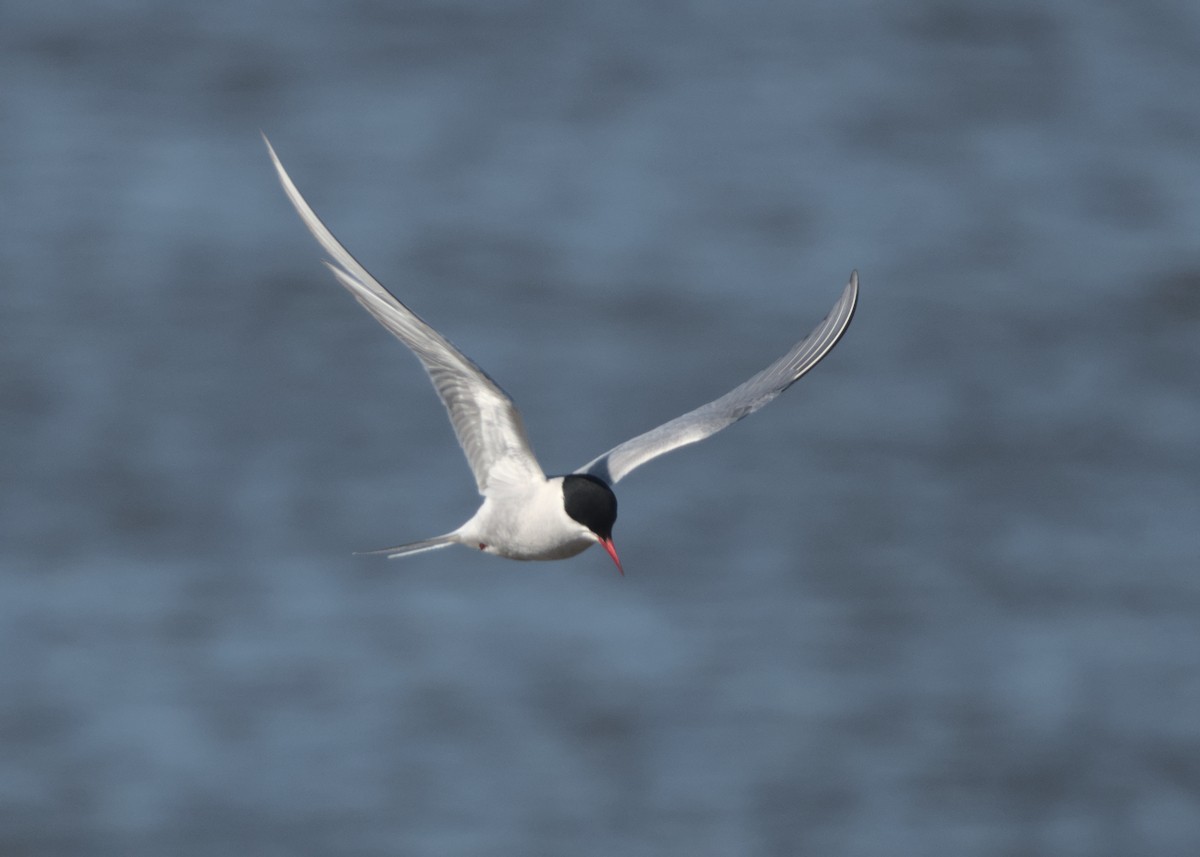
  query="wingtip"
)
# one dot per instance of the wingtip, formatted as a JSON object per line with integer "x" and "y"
{"x": 851, "y": 293}
{"x": 274, "y": 156}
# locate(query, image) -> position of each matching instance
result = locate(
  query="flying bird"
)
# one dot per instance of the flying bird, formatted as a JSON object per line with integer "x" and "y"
{"x": 525, "y": 514}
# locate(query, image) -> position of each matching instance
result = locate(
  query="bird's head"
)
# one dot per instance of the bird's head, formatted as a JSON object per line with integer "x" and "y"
{"x": 592, "y": 503}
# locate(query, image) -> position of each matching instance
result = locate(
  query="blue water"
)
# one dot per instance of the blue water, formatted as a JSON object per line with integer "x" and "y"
{"x": 943, "y": 597}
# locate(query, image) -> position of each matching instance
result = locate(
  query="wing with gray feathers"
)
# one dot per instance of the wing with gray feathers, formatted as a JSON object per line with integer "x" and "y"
{"x": 486, "y": 421}
{"x": 745, "y": 399}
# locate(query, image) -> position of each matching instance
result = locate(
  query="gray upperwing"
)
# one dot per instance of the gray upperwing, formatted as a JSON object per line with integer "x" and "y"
{"x": 485, "y": 420}
{"x": 744, "y": 399}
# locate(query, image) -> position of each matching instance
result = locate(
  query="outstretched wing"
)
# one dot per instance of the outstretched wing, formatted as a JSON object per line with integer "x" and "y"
{"x": 486, "y": 421}
{"x": 745, "y": 399}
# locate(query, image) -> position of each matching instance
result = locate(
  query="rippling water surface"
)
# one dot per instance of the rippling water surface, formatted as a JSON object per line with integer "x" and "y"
{"x": 941, "y": 598}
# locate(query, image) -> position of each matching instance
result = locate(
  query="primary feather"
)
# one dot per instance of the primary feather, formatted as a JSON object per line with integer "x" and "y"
{"x": 739, "y": 402}
{"x": 487, "y": 424}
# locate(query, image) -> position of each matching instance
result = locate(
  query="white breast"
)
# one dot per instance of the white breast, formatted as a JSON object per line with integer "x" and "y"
{"x": 526, "y": 521}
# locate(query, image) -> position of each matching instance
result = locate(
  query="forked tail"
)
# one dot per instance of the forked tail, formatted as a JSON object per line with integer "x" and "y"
{"x": 413, "y": 547}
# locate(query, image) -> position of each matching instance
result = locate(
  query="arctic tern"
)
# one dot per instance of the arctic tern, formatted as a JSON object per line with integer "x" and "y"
{"x": 525, "y": 514}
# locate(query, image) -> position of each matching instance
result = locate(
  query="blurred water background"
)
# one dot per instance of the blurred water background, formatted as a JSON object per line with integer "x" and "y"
{"x": 941, "y": 598}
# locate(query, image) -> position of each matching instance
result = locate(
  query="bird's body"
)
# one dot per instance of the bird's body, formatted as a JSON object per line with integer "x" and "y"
{"x": 526, "y": 521}
{"x": 526, "y": 515}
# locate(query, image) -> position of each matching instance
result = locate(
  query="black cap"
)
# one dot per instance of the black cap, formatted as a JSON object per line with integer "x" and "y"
{"x": 591, "y": 502}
